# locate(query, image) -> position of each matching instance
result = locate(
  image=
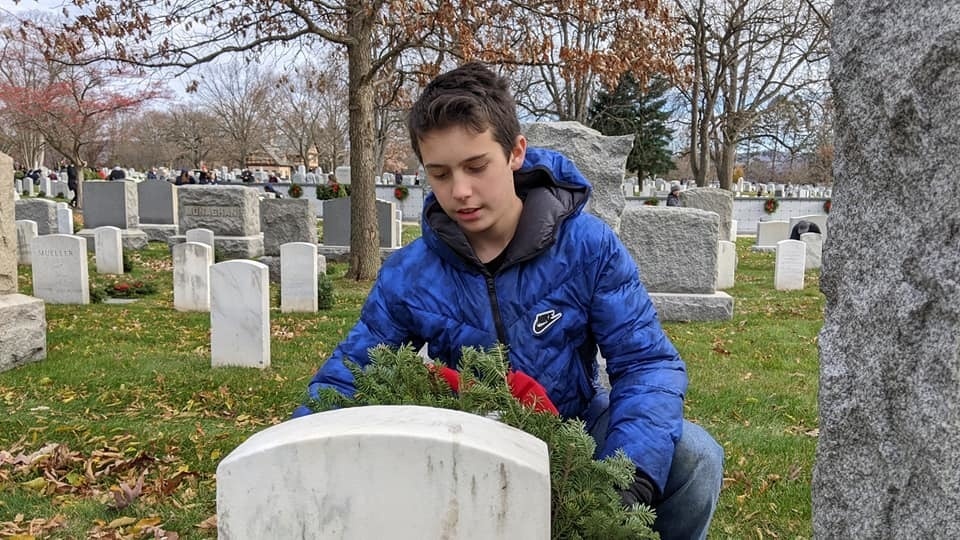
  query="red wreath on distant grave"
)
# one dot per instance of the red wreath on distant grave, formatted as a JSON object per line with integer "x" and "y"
{"x": 401, "y": 192}
{"x": 770, "y": 205}
{"x": 826, "y": 206}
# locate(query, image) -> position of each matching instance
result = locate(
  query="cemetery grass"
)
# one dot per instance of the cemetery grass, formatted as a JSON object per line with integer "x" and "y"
{"x": 127, "y": 392}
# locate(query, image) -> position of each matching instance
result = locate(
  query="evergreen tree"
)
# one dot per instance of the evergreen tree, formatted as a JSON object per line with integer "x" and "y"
{"x": 630, "y": 110}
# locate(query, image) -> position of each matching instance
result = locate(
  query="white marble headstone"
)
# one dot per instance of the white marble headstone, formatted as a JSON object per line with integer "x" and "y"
{"x": 788, "y": 271}
{"x": 60, "y": 274}
{"x": 108, "y": 247}
{"x": 26, "y": 232}
{"x": 239, "y": 314}
{"x": 191, "y": 276}
{"x": 298, "y": 277}
{"x": 771, "y": 232}
{"x": 726, "y": 265}
{"x": 204, "y": 236}
{"x": 814, "y": 243}
{"x": 397, "y": 472}
{"x": 64, "y": 219}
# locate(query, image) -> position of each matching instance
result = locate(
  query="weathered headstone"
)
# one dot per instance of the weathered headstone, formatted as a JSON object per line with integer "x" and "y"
{"x": 23, "y": 323}
{"x": 40, "y": 211}
{"x": 422, "y": 472}
{"x": 298, "y": 277}
{"x": 191, "y": 276}
{"x": 26, "y": 232}
{"x": 789, "y": 265}
{"x": 158, "y": 209}
{"x": 112, "y": 204}
{"x": 60, "y": 274}
{"x": 712, "y": 200}
{"x": 108, "y": 250}
{"x": 676, "y": 252}
{"x": 286, "y": 220}
{"x": 336, "y": 223}
{"x": 814, "y": 244}
{"x": 889, "y": 398}
{"x": 726, "y": 265}
{"x": 601, "y": 159}
{"x": 64, "y": 219}
{"x": 733, "y": 231}
{"x": 202, "y": 236}
{"x": 239, "y": 314}
{"x": 231, "y": 212}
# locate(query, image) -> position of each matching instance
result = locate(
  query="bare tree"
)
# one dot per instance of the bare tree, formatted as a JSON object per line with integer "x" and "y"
{"x": 745, "y": 55}
{"x": 185, "y": 33}
{"x": 237, "y": 96}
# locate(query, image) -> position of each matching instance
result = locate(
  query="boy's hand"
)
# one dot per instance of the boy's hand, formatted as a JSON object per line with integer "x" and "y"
{"x": 640, "y": 491}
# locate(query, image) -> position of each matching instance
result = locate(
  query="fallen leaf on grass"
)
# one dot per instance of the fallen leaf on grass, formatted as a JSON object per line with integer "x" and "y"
{"x": 209, "y": 523}
{"x": 124, "y": 495}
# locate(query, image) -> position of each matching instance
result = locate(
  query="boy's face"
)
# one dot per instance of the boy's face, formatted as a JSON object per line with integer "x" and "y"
{"x": 473, "y": 180}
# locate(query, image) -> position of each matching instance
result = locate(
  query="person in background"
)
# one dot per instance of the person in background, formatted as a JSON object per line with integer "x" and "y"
{"x": 398, "y": 177}
{"x": 117, "y": 174}
{"x": 509, "y": 256}
{"x": 673, "y": 198}
{"x": 73, "y": 181}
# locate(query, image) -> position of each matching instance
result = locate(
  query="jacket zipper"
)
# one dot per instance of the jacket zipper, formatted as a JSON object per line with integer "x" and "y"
{"x": 495, "y": 306}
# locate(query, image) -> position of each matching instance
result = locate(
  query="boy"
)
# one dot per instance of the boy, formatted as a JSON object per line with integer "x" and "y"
{"x": 508, "y": 256}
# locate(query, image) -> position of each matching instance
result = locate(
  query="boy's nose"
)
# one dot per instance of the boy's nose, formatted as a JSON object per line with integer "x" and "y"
{"x": 461, "y": 188}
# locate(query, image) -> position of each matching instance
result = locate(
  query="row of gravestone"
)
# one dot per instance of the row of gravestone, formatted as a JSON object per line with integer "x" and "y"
{"x": 246, "y": 225}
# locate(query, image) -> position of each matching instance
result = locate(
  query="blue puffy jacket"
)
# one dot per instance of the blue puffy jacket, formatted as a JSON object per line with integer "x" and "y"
{"x": 566, "y": 286}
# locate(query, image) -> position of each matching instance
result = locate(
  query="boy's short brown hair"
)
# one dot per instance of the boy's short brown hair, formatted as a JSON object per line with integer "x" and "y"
{"x": 471, "y": 96}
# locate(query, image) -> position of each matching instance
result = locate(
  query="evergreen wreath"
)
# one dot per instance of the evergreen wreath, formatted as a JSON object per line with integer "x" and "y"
{"x": 584, "y": 498}
{"x": 826, "y": 206}
{"x": 295, "y": 191}
{"x": 652, "y": 201}
{"x": 401, "y": 192}
{"x": 770, "y": 205}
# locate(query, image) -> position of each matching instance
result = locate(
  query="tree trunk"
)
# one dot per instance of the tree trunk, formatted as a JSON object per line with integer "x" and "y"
{"x": 364, "y": 237}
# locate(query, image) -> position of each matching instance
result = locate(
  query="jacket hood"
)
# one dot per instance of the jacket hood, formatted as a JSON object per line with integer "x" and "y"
{"x": 552, "y": 190}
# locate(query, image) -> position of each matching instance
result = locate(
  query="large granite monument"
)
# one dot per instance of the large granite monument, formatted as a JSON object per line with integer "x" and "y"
{"x": 888, "y": 454}
{"x": 23, "y": 321}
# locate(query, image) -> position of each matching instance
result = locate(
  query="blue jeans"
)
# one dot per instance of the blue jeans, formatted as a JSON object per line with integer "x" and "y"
{"x": 693, "y": 485}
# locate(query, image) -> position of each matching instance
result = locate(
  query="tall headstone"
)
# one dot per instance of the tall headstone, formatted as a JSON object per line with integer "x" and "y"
{"x": 60, "y": 274}
{"x": 112, "y": 204}
{"x": 23, "y": 322}
{"x": 108, "y": 250}
{"x": 814, "y": 244}
{"x": 64, "y": 219}
{"x": 889, "y": 444}
{"x": 789, "y": 265}
{"x": 26, "y": 232}
{"x": 157, "y": 201}
{"x": 422, "y": 472}
{"x": 191, "y": 276}
{"x": 601, "y": 159}
{"x": 239, "y": 314}
{"x": 726, "y": 265}
{"x": 298, "y": 277}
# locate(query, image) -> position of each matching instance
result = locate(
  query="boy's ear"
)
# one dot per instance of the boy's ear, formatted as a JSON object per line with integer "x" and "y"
{"x": 518, "y": 152}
